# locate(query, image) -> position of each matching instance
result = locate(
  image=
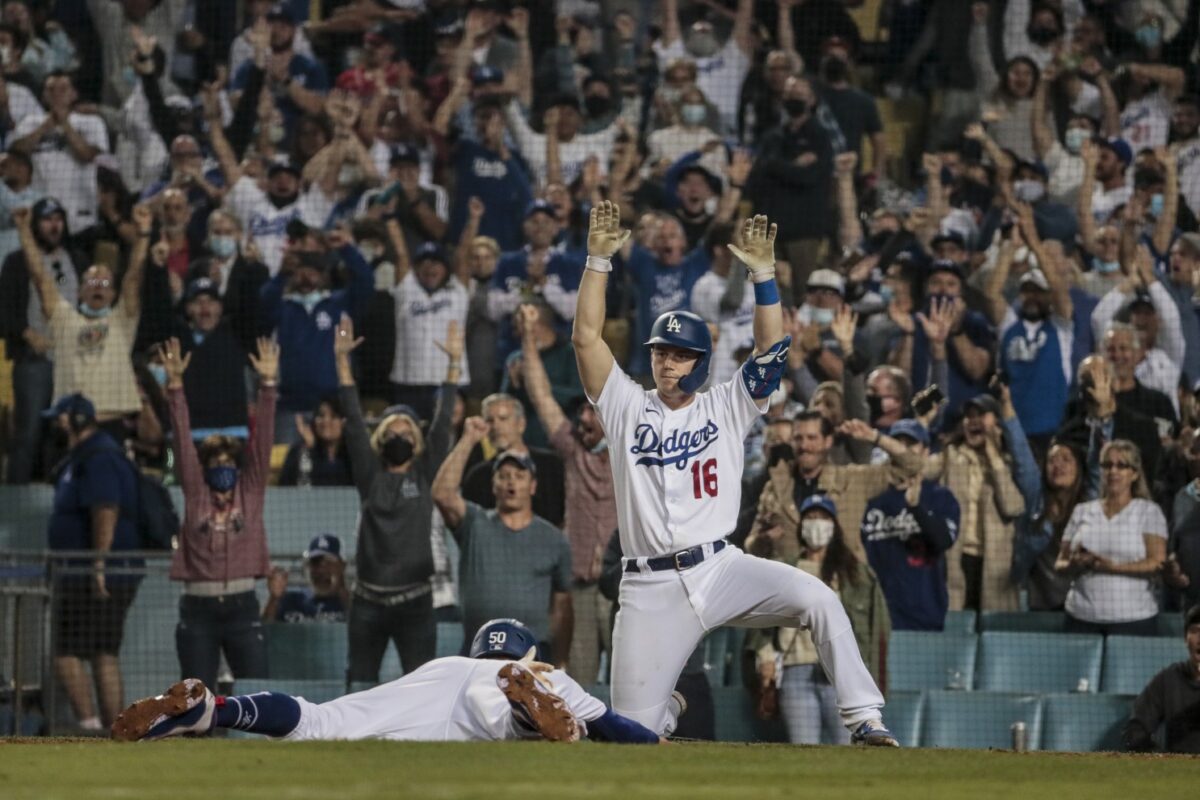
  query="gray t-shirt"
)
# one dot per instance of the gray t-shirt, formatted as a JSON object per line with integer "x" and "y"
{"x": 507, "y": 573}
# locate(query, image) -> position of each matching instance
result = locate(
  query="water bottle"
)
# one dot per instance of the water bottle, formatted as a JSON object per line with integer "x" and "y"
{"x": 306, "y": 468}
{"x": 1019, "y": 737}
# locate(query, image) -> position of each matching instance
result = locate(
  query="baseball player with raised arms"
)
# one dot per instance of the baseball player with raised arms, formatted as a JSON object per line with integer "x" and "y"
{"x": 499, "y": 692}
{"x": 677, "y": 457}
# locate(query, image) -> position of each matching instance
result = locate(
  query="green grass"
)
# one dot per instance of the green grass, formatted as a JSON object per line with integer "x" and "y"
{"x": 237, "y": 770}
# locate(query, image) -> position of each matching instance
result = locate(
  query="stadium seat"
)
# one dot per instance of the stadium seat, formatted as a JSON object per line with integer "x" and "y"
{"x": 1084, "y": 722}
{"x": 1131, "y": 661}
{"x": 960, "y": 622}
{"x": 449, "y": 639}
{"x": 1170, "y": 623}
{"x": 1023, "y": 621}
{"x": 920, "y": 660}
{"x": 736, "y": 721}
{"x": 1038, "y": 662}
{"x": 902, "y": 716}
{"x": 977, "y": 720}
{"x": 307, "y": 651}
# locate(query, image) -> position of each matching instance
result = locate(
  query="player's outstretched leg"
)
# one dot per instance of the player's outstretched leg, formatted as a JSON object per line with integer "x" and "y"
{"x": 188, "y": 708}
{"x": 535, "y": 706}
{"x": 760, "y": 593}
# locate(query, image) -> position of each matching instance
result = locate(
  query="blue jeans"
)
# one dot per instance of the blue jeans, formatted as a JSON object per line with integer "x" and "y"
{"x": 33, "y": 390}
{"x": 209, "y": 625}
{"x": 809, "y": 707}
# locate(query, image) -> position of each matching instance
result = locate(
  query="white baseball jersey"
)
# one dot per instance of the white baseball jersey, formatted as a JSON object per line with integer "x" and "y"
{"x": 677, "y": 473}
{"x": 56, "y": 171}
{"x": 1188, "y": 155}
{"x": 451, "y": 699}
{"x": 266, "y": 225}
{"x": 422, "y": 318}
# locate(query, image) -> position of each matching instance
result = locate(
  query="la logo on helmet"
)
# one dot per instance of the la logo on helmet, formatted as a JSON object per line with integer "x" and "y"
{"x": 673, "y": 325}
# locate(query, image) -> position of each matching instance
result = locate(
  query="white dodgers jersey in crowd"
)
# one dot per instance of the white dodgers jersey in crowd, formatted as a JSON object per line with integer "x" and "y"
{"x": 677, "y": 473}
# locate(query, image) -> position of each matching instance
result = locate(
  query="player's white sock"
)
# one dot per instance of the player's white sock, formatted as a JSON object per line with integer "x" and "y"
{"x": 91, "y": 724}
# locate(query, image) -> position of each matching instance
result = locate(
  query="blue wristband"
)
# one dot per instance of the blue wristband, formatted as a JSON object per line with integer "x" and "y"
{"x": 766, "y": 293}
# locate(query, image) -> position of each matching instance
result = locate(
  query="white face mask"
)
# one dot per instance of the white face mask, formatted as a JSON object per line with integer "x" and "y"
{"x": 816, "y": 533}
{"x": 1028, "y": 191}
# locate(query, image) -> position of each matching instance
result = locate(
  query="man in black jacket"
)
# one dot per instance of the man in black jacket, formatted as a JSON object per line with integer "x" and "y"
{"x": 791, "y": 178}
{"x": 214, "y": 382}
{"x": 26, "y": 332}
{"x": 238, "y": 275}
{"x": 1098, "y": 420}
{"x": 1171, "y": 700}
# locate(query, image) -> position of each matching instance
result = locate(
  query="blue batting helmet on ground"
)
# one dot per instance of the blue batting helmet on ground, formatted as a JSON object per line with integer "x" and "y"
{"x": 685, "y": 329}
{"x": 502, "y": 638}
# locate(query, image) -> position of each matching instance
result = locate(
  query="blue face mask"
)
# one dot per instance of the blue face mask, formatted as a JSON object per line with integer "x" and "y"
{"x": 1148, "y": 36}
{"x": 94, "y": 313}
{"x": 886, "y": 294}
{"x": 309, "y": 299}
{"x": 1075, "y": 138}
{"x": 693, "y": 113}
{"x": 1156, "y": 205}
{"x": 159, "y": 372}
{"x": 822, "y": 316}
{"x": 221, "y": 479}
{"x": 222, "y": 246}
{"x": 1105, "y": 267}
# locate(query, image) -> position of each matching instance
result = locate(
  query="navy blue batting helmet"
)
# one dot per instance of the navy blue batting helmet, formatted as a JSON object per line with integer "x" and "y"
{"x": 685, "y": 329}
{"x": 502, "y": 638}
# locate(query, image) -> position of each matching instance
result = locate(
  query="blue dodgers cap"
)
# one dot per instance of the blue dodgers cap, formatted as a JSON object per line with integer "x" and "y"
{"x": 946, "y": 265}
{"x": 281, "y": 12}
{"x": 324, "y": 544}
{"x": 404, "y": 154}
{"x": 540, "y": 207}
{"x": 45, "y": 207}
{"x": 910, "y": 429}
{"x": 76, "y": 406}
{"x": 1120, "y": 148}
{"x": 430, "y": 251}
{"x": 201, "y": 286}
{"x": 522, "y": 460}
{"x": 484, "y": 74}
{"x": 821, "y": 501}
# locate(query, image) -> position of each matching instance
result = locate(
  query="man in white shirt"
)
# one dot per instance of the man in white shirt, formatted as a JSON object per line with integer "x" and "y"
{"x": 63, "y": 146}
{"x": 1146, "y": 117}
{"x": 1105, "y": 163}
{"x": 265, "y": 214}
{"x": 574, "y": 148}
{"x": 1185, "y": 139}
{"x": 428, "y": 300}
{"x": 720, "y": 68}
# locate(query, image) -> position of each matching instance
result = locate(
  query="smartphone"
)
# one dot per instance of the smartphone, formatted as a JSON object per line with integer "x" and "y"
{"x": 780, "y": 452}
{"x": 927, "y": 399}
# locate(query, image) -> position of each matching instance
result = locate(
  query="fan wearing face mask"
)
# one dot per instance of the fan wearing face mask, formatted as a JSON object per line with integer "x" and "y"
{"x": 816, "y": 344}
{"x": 222, "y": 543}
{"x": 906, "y": 531}
{"x": 393, "y": 469}
{"x": 787, "y": 658}
{"x": 1037, "y": 332}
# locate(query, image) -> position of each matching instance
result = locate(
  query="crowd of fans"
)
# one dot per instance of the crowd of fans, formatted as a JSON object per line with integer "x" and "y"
{"x": 994, "y": 391}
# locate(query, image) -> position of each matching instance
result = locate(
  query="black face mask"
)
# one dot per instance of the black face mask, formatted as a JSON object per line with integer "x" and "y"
{"x": 874, "y": 407}
{"x": 795, "y": 107}
{"x": 397, "y": 451}
{"x": 281, "y": 201}
{"x": 1037, "y": 314}
{"x": 879, "y": 240}
{"x": 596, "y": 105}
{"x": 1043, "y": 36}
{"x": 835, "y": 69}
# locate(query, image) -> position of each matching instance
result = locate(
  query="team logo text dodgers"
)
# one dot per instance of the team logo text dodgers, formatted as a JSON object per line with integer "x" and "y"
{"x": 677, "y": 448}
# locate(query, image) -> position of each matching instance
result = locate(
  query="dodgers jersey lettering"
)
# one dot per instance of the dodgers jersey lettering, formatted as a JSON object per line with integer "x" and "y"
{"x": 677, "y": 474}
